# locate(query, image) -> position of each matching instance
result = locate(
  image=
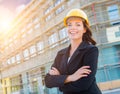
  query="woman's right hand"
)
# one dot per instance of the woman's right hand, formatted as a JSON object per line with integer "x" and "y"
{"x": 81, "y": 72}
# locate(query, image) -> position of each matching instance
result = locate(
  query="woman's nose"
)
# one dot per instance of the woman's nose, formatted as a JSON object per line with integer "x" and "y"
{"x": 73, "y": 27}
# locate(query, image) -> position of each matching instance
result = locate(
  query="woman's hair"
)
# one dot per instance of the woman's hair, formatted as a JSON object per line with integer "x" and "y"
{"x": 87, "y": 36}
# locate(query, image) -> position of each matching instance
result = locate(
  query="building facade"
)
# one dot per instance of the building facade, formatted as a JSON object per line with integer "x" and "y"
{"x": 29, "y": 48}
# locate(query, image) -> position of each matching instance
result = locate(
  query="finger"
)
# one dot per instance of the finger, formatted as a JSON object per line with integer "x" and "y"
{"x": 84, "y": 75}
{"x": 85, "y": 67}
{"x": 82, "y": 70}
{"x": 52, "y": 72}
{"x": 88, "y": 70}
{"x": 54, "y": 68}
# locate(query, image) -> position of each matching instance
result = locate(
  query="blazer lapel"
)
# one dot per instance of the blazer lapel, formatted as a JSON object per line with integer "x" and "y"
{"x": 65, "y": 58}
{"x": 82, "y": 46}
{"x": 73, "y": 56}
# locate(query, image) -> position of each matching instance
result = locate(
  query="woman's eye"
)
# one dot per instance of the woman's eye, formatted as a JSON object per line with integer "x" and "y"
{"x": 78, "y": 24}
{"x": 69, "y": 25}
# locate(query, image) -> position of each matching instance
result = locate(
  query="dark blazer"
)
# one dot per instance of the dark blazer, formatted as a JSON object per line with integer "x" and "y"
{"x": 85, "y": 55}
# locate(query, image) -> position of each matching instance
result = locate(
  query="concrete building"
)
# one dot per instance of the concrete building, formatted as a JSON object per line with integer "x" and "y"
{"x": 29, "y": 48}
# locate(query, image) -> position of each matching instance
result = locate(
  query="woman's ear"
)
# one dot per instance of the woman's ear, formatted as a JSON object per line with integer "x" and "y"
{"x": 84, "y": 30}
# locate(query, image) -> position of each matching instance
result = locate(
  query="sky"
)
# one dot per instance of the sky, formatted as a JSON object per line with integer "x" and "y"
{"x": 8, "y": 11}
{"x": 13, "y": 4}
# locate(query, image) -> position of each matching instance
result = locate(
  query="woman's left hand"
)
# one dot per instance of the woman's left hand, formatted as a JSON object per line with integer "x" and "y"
{"x": 54, "y": 71}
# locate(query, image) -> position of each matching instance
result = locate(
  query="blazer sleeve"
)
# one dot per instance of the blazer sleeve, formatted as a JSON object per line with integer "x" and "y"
{"x": 55, "y": 80}
{"x": 90, "y": 59}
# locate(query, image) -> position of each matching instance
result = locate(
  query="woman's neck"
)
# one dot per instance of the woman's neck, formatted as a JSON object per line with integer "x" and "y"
{"x": 74, "y": 46}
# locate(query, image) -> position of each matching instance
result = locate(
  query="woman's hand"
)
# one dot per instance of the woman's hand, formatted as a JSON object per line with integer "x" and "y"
{"x": 54, "y": 71}
{"x": 81, "y": 72}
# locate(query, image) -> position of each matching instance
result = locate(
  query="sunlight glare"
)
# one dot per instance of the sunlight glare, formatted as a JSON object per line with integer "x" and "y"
{"x": 5, "y": 25}
{"x": 5, "y": 19}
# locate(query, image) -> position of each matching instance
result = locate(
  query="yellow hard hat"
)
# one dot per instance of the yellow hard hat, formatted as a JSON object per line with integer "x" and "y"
{"x": 76, "y": 13}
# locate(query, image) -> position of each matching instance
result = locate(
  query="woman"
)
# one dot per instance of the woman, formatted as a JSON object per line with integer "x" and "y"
{"x": 75, "y": 67}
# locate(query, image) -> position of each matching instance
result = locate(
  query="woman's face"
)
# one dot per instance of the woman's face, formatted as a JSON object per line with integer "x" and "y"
{"x": 75, "y": 28}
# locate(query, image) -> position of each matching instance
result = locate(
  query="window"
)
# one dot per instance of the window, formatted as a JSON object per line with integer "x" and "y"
{"x": 18, "y": 58}
{"x": 113, "y": 13}
{"x": 70, "y": 2}
{"x": 36, "y": 20}
{"x": 60, "y": 9}
{"x": 24, "y": 35}
{"x": 8, "y": 61}
{"x": 30, "y": 31}
{"x": 40, "y": 47}
{"x": 53, "y": 39}
{"x": 37, "y": 26}
{"x": 16, "y": 83}
{"x": 57, "y": 2}
{"x": 32, "y": 51}
{"x": 63, "y": 34}
{"x": 13, "y": 59}
{"x": 29, "y": 25}
{"x": 48, "y": 10}
{"x": 48, "y": 17}
{"x": 26, "y": 54}
{"x": 117, "y": 34}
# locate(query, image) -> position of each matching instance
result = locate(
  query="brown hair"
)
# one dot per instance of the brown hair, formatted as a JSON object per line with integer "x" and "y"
{"x": 87, "y": 36}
